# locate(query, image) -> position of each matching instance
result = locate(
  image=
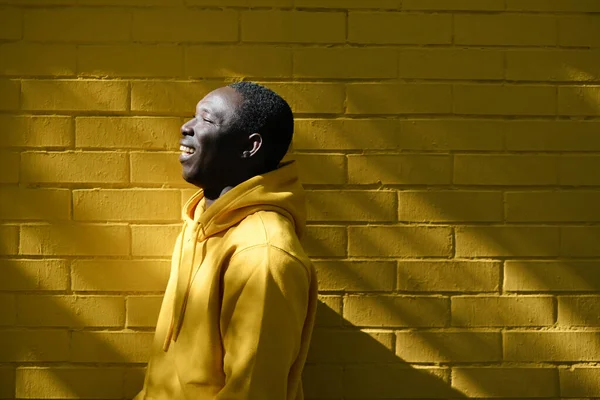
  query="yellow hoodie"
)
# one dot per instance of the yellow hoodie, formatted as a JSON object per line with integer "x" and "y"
{"x": 239, "y": 308}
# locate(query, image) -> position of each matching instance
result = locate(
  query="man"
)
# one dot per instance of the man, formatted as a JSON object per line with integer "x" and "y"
{"x": 239, "y": 308}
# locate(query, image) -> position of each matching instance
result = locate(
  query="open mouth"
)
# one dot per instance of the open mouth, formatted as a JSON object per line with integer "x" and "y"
{"x": 187, "y": 150}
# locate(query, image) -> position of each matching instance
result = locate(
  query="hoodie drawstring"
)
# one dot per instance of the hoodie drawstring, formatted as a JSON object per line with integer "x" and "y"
{"x": 178, "y": 311}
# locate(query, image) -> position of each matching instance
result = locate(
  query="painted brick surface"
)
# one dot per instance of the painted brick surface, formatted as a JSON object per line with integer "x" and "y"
{"x": 449, "y": 151}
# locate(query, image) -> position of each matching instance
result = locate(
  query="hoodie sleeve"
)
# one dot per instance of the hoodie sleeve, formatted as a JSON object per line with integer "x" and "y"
{"x": 265, "y": 302}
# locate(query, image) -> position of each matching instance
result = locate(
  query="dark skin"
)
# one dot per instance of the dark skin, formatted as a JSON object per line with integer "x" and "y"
{"x": 215, "y": 156}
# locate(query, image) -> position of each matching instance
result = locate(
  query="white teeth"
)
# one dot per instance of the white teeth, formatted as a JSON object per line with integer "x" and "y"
{"x": 187, "y": 150}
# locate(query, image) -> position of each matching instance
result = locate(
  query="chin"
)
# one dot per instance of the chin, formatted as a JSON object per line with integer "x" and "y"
{"x": 192, "y": 178}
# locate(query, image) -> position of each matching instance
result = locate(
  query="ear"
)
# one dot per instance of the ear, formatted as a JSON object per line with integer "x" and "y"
{"x": 254, "y": 145}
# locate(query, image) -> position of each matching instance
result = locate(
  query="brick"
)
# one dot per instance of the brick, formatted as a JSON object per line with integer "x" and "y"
{"x": 75, "y": 95}
{"x": 399, "y": 98}
{"x": 133, "y": 205}
{"x": 142, "y": 311}
{"x": 9, "y": 167}
{"x": 553, "y": 5}
{"x": 506, "y": 382}
{"x": 36, "y": 131}
{"x": 558, "y": 136}
{"x": 8, "y": 310}
{"x": 398, "y": 241}
{"x": 502, "y": 311}
{"x": 442, "y": 63}
{"x": 10, "y": 94}
{"x": 555, "y": 276}
{"x": 158, "y": 168}
{"x": 542, "y": 346}
{"x": 493, "y": 99}
{"x": 169, "y": 97}
{"x": 11, "y": 22}
{"x": 575, "y": 170}
{"x": 507, "y": 241}
{"x": 553, "y": 65}
{"x": 238, "y": 61}
{"x": 77, "y": 25}
{"x": 134, "y": 381}
{"x": 321, "y": 169}
{"x": 349, "y": 276}
{"x": 140, "y": 3}
{"x": 579, "y": 100}
{"x": 430, "y": 347}
{"x": 579, "y": 381}
{"x": 349, "y": 4}
{"x": 397, "y": 311}
{"x": 359, "y": 63}
{"x": 407, "y": 169}
{"x": 22, "y": 59}
{"x": 30, "y": 275}
{"x": 322, "y": 381}
{"x": 505, "y": 29}
{"x": 325, "y": 241}
{"x": 387, "y": 381}
{"x": 10, "y": 239}
{"x": 7, "y": 382}
{"x": 448, "y": 135}
{"x": 471, "y": 169}
{"x": 241, "y": 3}
{"x": 154, "y": 133}
{"x": 580, "y": 241}
{"x": 113, "y": 347}
{"x": 558, "y": 206}
{"x": 69, "y": 382}
{"x": 347, "y": 134}
{"x": 291, "y": 27}
{"x": 164, "y": 25}
{"x": 38, "y": 345}
{"x": 154, "y": 240}
{"x": 34, "y": 204}
{"x": 356, "y": 205}
{"x": 120, "y": 275}
{"x": 448, "y": 276}
{"x": 132, "y": 60}
{"x": 460, "y": 5}
{"x": 329, "y": 311}
{"x": 311, "y": 98}
{"x": 75, "y": 240}
{"x": 579, "y": 310}
{"x": 39, "y": 2}
{"x": 579, "y": 30}
{"x": 448, "y": 206}
{"x": 71, "y": 311}
{"x": 74, "y": 167}
{"x": 350, "y": 346}
{"x": 399, "y": 28}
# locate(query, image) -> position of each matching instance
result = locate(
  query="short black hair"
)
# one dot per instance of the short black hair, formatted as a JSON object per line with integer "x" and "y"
{"x": 264, "y": 111}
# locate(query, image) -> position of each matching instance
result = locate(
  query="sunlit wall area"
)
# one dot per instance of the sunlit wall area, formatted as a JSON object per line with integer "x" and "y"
{"x": 450, "y": 151}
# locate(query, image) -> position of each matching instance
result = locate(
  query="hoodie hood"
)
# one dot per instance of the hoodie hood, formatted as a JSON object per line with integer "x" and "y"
{"x": 279, "y": 191}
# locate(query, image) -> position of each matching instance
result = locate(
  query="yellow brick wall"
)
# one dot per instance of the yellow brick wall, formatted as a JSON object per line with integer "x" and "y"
{"x": 450, "y": 150}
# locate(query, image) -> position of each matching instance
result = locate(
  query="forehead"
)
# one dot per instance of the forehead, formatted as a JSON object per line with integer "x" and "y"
{"x": 222, "y": 102}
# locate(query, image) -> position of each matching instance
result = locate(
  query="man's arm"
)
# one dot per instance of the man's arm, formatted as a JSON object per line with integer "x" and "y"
{"x": 265, "y": 301}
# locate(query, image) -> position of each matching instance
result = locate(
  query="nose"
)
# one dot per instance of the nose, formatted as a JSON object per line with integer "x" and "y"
{"x": 188, "y": 129}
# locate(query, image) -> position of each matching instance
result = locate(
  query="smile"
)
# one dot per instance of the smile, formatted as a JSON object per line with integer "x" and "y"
{"x": 187, "y": 150}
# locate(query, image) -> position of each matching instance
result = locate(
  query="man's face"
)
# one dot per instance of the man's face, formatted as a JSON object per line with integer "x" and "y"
{"x": 210, "y": 150}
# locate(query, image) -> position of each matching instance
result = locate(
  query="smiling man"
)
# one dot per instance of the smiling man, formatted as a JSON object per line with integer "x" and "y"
{"x": 239, "y": 308}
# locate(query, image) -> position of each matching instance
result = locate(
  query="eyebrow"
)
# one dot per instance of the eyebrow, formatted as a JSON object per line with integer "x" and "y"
{"x": 215, "y": 114}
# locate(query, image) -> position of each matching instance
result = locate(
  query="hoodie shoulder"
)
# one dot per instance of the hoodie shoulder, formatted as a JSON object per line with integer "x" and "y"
{"x": 268, "y": 228}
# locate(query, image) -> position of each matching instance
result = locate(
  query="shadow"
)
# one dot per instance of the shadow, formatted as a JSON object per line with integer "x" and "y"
{"x": 429, "y": 288}
{"x": 345, "y": 362}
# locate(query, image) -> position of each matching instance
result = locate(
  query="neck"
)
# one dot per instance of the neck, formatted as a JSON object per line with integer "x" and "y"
{"x": 212, "y": 195}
